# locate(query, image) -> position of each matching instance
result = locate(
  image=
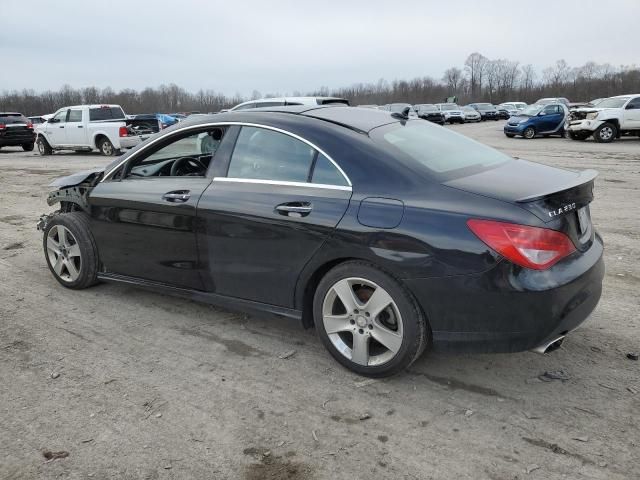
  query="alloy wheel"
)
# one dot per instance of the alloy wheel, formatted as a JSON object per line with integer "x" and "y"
{"x": 362, "y": 321}
{"x": 64, "y": 253}
{"x": 606, "y": 133}
{"x": 107, "y": 148}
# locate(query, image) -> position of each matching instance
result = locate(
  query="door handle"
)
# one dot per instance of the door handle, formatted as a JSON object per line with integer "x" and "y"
{"x": 177, "y": 196}
{"x": 61, "y": 126}
{"x": 294, "y": 209}
{"x": 80, "y": 126}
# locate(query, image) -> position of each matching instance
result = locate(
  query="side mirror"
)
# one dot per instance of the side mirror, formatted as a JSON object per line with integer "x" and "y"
{"x": 53, "y": 120}
{"x": 542, "y": 114}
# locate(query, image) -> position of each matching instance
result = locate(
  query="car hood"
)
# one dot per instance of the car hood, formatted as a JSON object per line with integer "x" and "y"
{"x": 79, "y": 177}
{"x": 518, "y": 118}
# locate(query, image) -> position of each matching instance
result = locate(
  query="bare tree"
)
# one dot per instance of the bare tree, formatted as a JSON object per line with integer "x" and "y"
{"x": 475, "y": 65}
{"x": 452, "y": 77}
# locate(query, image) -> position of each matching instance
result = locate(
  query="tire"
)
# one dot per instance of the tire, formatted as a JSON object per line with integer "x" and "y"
{"x": 510, "y": 135}
{"x": 72, "y": 256}
{"x": 605, "y": 133}
{"x": 106, "y": 147}
{"x": 406, "y": 343}
{"x": 43, "y": 146}
{"x": 27, "y": 147}
{"x": 529, "y": 133}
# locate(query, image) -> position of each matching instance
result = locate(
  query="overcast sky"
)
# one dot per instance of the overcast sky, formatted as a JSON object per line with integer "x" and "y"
{"x": 283, "y": 46}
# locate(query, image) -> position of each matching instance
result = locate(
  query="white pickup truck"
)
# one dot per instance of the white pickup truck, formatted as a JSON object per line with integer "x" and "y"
{"x": 610, "y": 119}
{"x": 92, "y": 127}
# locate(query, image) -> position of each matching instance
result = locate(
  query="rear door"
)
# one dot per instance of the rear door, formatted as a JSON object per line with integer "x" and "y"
{"x": 76, "y": 134}
{"x": 267, "y": 214}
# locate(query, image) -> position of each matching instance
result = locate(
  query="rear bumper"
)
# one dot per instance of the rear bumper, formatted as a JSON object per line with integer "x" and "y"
{"x": 509, "y": 308}
{"x": 16, "y": 139}
{"x": 132, "y": 141}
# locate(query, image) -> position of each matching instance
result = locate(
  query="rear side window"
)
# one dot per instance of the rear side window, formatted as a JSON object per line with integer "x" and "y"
{"x": 441, "y": 151}
{"x": 105, "y": 113}
{"x": 75, "y": 116}
{"x": 326, "y": 173}
{"x": 634, "y": 104}
{"x": 267, "y": 155}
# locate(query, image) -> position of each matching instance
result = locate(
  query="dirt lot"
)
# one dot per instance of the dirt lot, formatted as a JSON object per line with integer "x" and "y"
{"x": 157, "y": 387}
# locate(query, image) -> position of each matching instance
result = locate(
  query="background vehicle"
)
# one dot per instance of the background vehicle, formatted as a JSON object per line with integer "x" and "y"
{"x": 451, "y": 112}
{"x": 38, "y": 120}
{"x": 368, "y": 106}
{"x": 400, "y": 108}
{"x": 471, "y": 114}
{"x": 163, "y": 120}
{"x": 538, "y": 119}
{"x": 516, "y": 105}
{"x": 547, "y": 101}
{"x": 178, "y": 116}
{"x": 487, "y": 110}
{"x": 287, "y": 101}
{"x": 510, "y": 108}
{"x": 611, "y": 118}
{"x": 503, "y": 112}
{"x": 430, "y": 112}
{"x": 326, "y": 215}
{"x": 88, "y": 127}
{"x": 16, "y": 131}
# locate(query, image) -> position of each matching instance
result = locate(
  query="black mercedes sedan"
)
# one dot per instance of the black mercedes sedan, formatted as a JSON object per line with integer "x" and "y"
{"x": 390, "y": 235}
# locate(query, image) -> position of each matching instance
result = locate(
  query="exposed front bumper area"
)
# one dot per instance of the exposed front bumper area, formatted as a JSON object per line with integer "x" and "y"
{"x": 584, "y": 125}
{"x": 510, "y": 308}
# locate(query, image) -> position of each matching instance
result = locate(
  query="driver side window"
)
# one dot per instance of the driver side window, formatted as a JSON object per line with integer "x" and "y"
{"x": 60, "y": 117}
{"x": 186, "y": 156}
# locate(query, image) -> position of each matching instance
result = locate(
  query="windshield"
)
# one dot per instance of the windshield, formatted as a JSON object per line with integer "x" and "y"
{"x": 613, "y": 102}
{"x": 398, "y": 107}
{"x": 427, "y": 108}
{"x": 484, "y": 106}
{"x": 532, "y": 110}
{"x": 449, "y": 106}
{"x": 443, "y": 152}
{"x": 469, "y": 109}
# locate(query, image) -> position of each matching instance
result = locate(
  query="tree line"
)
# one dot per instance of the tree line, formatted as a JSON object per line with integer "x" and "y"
{"x": 480, "y": 79}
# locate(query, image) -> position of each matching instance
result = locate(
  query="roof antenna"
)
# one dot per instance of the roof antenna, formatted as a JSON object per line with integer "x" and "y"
{"x": 404, "y": 115}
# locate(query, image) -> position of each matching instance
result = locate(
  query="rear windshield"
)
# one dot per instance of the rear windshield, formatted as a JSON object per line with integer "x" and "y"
{"x": 106, "y": 113}
{"x": 443, "y": 152}
{"x": 484, "y": 106}
{"x": 12, "y": 118}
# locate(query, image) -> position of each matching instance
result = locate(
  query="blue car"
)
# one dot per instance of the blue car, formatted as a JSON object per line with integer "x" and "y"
{"x": 538, "y": 119}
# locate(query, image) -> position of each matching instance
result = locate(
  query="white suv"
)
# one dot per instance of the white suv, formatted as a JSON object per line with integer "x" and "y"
{"x": 611, "y": 118}
{"x": 287, "y": 101}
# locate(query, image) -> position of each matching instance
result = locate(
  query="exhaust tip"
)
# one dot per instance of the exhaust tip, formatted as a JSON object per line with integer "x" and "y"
{"x": 549, "y": 346}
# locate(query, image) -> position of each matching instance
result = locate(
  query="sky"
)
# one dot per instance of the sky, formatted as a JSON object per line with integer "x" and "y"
{"x": 279, "y": 46}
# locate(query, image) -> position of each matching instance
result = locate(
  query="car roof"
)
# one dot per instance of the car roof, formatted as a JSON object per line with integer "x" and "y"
{"x": 9, "y": 113}
{"x": 301, "y": 100}
{"x": 362, "y": 120}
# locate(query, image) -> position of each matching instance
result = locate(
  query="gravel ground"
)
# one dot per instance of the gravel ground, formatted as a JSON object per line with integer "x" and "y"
{"x": 148, "y": 386}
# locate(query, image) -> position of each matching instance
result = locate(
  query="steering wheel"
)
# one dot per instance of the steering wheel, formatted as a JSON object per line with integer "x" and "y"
{"x": 193, "y": 163}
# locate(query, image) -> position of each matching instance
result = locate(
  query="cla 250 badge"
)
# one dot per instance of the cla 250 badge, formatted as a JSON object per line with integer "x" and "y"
{"x": 563, "y": 209}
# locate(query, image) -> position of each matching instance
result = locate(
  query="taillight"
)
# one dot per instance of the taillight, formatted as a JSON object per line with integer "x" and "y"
{"x": 30, "y": 125}
{"x": 2, "y": 126}
{"x": 123, "y": 132}
{"x": 530, "y": 247}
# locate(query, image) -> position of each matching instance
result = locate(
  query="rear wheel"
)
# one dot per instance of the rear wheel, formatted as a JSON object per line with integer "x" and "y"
{"x": 43, "y": 146}
{"x": 106, "y": 147}
{"x": 368, "y": 321}
{"x": 27, "y": 147}
{"x": 605, "y": 133}
{"x": 529, "y": 133}
{"x": 70, "y": 250}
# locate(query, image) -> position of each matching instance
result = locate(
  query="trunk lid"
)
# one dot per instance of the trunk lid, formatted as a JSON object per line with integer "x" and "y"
{"x": 556, "y": 196}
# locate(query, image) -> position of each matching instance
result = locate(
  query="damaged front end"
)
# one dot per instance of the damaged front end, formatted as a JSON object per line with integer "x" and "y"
{"x": 71, "y": 193}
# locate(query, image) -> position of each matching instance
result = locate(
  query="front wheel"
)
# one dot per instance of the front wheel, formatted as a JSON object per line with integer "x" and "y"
{"x": 43, "y": 146}
{"x": 368, "y": 321}
{"x": 70, "y": 250}
{"x": 605, "y": 133}
{"x": 529, "y": 133}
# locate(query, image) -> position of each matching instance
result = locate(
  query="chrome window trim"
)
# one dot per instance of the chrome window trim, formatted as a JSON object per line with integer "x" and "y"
{"x": 283, "y": 183}
{"x": 220, "y": 124}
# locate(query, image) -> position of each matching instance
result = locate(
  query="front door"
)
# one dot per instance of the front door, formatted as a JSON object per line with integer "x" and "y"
{"x": 553, "y": 117}
{"x": 145, "y": 222}
{"x": 265, "y": 219}
{"x": 75, "y": 131}
{"x": 55, "y": 128}
{"x": 632, "y": 115}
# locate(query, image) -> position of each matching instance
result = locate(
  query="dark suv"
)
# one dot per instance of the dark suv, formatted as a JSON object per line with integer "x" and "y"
{"x": 486, "y": 110}
{"x": 16, "y": 130}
